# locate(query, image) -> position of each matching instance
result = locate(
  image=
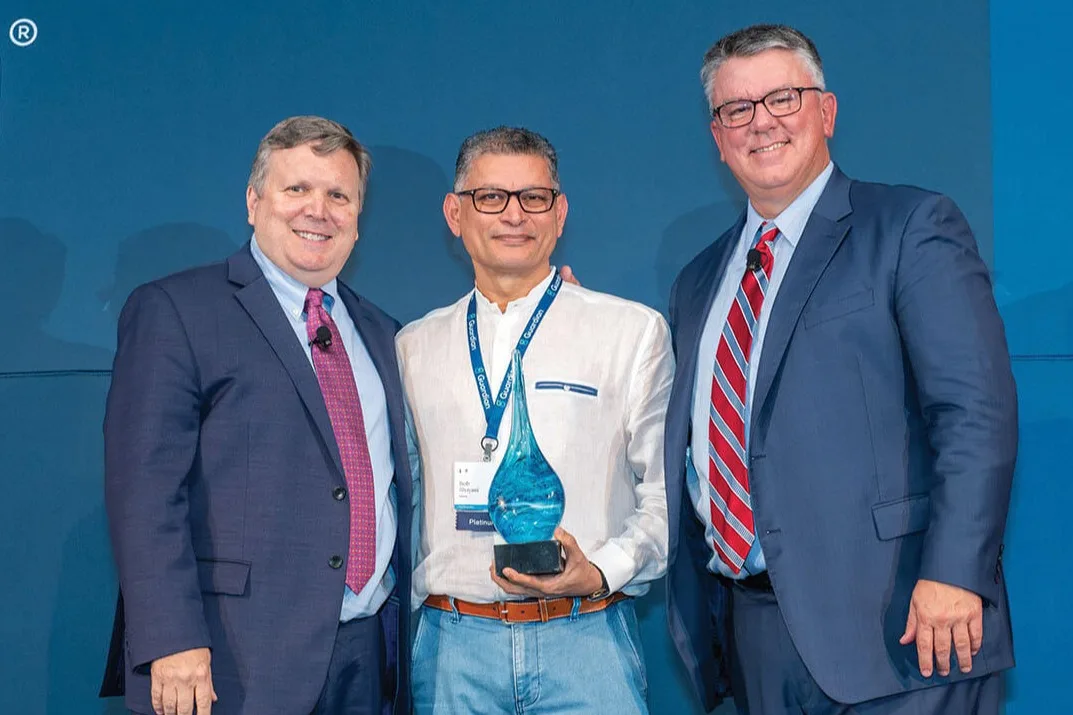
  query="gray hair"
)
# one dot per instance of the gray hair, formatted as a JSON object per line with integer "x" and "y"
{"x": 754, "y": 40}
{"x": 505, "y": 140}
{"x": 324, "y": 135}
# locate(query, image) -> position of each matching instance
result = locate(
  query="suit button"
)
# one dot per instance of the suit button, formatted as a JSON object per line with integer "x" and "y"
{"x": 336, "y": 561}
{"x": 339, "y": 493}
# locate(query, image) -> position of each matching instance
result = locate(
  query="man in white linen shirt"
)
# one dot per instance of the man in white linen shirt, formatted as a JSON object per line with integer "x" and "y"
{"x": 598, "y": 373}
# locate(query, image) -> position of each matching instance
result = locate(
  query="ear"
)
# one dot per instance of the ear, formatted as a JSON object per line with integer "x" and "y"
{"x": 251, "y": 203}
{"x": 452, "y": 211}
{"x": 561, "y": 208}
{"x": 717, "y": 129}
{"x": 828, "y": 110}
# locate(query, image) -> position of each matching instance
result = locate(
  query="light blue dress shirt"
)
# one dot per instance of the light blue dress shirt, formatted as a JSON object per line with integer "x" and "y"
{"x": 791, "y": 224}
{"x": 291, "y": 295}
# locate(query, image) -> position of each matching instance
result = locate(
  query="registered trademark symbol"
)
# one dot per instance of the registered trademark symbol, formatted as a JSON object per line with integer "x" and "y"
{"x": 23, "y": 32}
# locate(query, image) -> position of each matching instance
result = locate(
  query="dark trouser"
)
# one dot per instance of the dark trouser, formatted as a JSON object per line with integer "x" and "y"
{"x": 361, "y": 675}
{"x": 771, "y": 679}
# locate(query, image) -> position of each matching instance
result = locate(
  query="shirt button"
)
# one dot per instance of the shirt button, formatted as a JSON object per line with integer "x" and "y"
{"x": 336, "y": 561}
{"x": 339, "y": 493}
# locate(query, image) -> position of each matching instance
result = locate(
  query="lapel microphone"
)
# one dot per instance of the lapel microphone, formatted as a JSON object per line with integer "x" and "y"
{"x": 323, "y": 339}
{"x": 752, "y": 263}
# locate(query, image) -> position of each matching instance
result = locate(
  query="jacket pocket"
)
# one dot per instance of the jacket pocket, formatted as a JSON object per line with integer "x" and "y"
{"x": 226, "y": 577}
{"x": 905, "y": 516}
{"x": 837, "y": 308}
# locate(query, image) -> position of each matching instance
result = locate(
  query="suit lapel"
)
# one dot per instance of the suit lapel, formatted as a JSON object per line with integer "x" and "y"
{"x": 698, "y": 302}
{"x": 826, "y": 229}
{"x": 380, "y": 344}
{"x": 257, "y": 298}
{"x": 372, "y": 334}
{"x": 693, "y": 301}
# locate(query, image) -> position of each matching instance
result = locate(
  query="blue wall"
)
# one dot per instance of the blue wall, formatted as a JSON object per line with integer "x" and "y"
{"x": 1034, "y": 286}
{"x": 126, "y": 132}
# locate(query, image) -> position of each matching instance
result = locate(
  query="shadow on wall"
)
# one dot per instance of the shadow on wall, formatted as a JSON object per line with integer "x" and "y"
{"x": 407, "y": 261}
{"x": 78, "y": 645}
{"x": 159, "y": 251}
{"x": 1041, "y": 324}
{"x": 59, "y": 612}
{"x": 31, "y": 280}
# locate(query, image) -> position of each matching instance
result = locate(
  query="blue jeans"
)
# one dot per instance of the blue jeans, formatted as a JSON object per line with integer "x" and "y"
{"x": 583, "y": 664}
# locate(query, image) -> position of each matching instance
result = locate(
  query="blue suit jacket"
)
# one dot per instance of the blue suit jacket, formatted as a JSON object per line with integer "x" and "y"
{"x": 220, "y": 463}
{"x": 884, "y": 433}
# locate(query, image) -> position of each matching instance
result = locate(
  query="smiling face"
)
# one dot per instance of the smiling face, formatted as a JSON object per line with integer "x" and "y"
{"x": 306, "y": 215}
{"x": 512, "y": 244}
{"x": 773, "y": 158}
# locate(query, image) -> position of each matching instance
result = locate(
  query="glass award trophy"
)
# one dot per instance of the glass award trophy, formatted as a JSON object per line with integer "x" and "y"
{"x": 525, "y": 499}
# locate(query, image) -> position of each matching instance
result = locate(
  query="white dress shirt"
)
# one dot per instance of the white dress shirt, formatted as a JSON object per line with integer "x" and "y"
{"x": 791, "y": 224}
{"x": 291, "y": 295}
{"x": 606, "y": 448}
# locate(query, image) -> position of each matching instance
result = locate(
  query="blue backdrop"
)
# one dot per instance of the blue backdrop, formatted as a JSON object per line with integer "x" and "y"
{"x": 126, "y": 133}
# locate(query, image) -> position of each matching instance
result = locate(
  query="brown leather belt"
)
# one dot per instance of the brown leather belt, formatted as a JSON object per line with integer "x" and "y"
{"x": 537, "y": 610}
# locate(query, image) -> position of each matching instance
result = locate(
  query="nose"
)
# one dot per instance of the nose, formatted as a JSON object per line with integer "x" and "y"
{"x": 513, "y": 213}
{"x": 316, "y": 206}
{"x": 763, "y": 119}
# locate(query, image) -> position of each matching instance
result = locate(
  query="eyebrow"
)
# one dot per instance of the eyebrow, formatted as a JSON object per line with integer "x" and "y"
{"x": 761, "y": 97}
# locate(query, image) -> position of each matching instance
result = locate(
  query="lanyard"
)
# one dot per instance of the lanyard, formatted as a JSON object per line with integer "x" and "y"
{"x": 493, "y": 409}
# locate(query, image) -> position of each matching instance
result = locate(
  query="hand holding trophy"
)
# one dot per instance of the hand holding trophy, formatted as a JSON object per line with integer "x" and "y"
{"x": 526, "y": 498}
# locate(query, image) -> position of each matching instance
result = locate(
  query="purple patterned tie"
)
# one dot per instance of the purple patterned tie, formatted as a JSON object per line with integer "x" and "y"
{"x": 336, "y": 378}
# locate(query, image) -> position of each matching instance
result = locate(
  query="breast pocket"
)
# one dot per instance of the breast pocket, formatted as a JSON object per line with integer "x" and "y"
{"x": 831, "y": 309}
{"x": 575, "y": 388}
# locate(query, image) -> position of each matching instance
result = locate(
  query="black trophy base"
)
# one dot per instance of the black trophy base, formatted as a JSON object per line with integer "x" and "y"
{"x": 535, "y": 558}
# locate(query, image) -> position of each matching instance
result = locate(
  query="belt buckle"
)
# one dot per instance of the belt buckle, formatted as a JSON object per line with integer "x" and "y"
{"x": 504, "y": 614}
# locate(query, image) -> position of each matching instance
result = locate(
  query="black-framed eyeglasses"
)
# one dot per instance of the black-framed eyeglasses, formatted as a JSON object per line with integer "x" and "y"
{"x": 490, "y": 200}
{"x": 780, "y": 103}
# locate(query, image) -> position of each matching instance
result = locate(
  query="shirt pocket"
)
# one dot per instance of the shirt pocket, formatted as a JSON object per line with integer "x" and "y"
{"x": 575, "y": 388}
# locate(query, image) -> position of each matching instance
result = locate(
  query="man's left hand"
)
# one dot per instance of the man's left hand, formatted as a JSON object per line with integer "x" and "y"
{"x": 579, "y": 576}
{"x": 941, "y": 614}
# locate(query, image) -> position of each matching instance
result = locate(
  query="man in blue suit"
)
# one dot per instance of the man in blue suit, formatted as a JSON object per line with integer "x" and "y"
{"x": 842, "y": 428}
{"x": 257, "y": 484}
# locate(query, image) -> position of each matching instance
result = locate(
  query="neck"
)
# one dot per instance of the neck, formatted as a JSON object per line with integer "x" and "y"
{"x": 502, "y": 288}
{"x": 771, "y": 205}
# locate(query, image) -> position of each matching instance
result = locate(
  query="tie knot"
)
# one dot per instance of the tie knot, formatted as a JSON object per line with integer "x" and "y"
{"x": 766, "y": 234}
{"x": 314, "y": 299}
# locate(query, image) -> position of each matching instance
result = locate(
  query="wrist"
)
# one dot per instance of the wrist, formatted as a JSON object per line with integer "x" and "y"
{"x": 602, "y": 590}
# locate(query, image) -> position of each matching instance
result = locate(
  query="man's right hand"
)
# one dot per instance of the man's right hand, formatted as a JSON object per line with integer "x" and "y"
{"x": 181, "y": 680}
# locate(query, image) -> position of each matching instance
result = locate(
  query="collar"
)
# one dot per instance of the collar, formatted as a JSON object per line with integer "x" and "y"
{"x": 290, "y": 291}
{"x": 527, "y": 301}
{"x": 792, "y": 220}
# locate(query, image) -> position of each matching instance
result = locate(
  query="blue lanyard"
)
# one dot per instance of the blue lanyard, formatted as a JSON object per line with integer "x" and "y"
{"x": 493, "y": 409}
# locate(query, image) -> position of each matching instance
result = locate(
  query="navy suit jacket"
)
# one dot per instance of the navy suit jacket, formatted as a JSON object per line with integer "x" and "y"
{"x": 883, "y": 441}
{"x": 220, "y": 467}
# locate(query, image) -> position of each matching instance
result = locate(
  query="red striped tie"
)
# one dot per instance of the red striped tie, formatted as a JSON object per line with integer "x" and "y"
{"x": 728, "y": 473}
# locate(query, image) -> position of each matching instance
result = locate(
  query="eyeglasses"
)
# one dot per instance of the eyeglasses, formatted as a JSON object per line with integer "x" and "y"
{"x": 534, "y": 200}
{"x": 780, "y": 103}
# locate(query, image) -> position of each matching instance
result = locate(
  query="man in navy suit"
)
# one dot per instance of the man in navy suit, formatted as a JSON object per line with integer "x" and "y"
{"x": 257, "y": 484}
{"x": 842, "y": 428}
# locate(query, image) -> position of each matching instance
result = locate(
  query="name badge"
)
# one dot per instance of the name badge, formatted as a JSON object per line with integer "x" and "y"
{"x": 471, "y": 482}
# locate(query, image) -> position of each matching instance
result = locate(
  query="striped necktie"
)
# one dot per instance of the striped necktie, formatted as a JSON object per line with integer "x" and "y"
{"x": 728, "y": 473}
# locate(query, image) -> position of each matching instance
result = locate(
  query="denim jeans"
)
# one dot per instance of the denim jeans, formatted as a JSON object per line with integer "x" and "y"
{"x": 583, "y": 664}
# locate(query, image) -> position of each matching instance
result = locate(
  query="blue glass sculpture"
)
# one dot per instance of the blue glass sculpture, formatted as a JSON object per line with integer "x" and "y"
{"x": 526, "y": 498}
